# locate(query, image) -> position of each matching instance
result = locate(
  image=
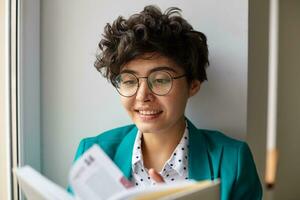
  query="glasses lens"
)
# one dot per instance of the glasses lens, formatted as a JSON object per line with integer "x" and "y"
{"x": 160, "y": 82}
{"x": 127, "y": 84}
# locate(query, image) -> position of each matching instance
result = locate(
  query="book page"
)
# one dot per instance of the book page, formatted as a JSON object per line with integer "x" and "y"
{"x": 95, "y": 176}
{"x": 204, "y": 190}
{"x": 37, "y": 187}
{"x": 159, "y": 190}
{"x": 181, "y": 190}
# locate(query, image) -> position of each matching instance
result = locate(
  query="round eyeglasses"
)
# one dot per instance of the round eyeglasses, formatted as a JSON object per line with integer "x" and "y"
{"x": 159, "y": 83}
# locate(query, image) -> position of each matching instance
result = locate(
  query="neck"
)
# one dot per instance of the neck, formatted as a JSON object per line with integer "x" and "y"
{"x": 158, "y": 147}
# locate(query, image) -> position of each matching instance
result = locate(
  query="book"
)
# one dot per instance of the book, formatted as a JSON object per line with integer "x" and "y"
{"x": 95, "y": 176}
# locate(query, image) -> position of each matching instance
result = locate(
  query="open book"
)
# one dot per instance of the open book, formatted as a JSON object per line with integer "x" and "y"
{"x": 95, "y": 176}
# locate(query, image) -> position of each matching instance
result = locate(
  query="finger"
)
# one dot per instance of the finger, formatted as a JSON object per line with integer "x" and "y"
{"x": 156, "y": 176}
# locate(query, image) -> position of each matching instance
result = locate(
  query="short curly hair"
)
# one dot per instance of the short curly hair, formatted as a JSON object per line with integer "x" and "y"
{"x": 152, "y": 31}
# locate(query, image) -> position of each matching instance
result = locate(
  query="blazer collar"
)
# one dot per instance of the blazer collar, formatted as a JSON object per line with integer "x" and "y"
{"x": 123, "y": 155}
{"x": 199, "y": 163}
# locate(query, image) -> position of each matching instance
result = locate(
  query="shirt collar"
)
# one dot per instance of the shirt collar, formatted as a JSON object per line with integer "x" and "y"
{"x": 178, "y": 160}
{"x": 137, "y": 155}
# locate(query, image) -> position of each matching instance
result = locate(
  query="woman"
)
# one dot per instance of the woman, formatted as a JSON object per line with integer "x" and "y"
{"x": 157, "y": 62}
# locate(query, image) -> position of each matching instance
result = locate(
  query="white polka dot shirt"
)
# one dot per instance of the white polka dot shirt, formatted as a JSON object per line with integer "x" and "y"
{"x": 175, "y": 168}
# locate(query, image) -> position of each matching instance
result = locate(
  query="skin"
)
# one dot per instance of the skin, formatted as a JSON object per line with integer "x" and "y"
{"x": 161, "y": 131}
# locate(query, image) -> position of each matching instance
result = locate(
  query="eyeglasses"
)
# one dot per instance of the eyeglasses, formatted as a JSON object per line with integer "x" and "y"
{"x": 159, "y": 83}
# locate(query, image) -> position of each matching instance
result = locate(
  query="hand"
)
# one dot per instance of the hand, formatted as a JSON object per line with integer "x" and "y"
{"x": 156, "y": 176}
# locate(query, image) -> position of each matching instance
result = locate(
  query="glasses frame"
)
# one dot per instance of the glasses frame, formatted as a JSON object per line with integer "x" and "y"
{"x": 148, "y": 83}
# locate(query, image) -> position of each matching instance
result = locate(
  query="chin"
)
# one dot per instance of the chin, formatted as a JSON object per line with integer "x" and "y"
{"x": 148, "y": 127}
{"x": 145, "y": 128}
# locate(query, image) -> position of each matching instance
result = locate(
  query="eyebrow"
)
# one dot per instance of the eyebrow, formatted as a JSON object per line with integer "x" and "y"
{"x": 160, "y": 68}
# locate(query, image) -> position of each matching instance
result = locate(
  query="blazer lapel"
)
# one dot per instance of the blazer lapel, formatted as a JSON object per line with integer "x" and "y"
{"x": 123, "y": 155}
{"x": 200, "y": 164}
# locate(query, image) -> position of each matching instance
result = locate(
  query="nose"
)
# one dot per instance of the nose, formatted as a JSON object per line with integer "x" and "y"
{"x": 143, "y": 93}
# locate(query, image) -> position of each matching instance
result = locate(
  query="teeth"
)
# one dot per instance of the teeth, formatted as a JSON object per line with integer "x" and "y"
{"x": 148, "y": 112}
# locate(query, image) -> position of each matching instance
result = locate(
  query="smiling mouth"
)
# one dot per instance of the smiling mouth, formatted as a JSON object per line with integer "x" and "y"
{"x": 148, "y": 114}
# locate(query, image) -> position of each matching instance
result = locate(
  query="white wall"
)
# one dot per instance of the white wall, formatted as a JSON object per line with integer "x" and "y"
{"x": 77, "y": 102}
{"x": 30, "y": 84}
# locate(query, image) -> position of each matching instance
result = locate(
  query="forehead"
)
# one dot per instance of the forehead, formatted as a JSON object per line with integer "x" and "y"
{"x": 149, "y": 62}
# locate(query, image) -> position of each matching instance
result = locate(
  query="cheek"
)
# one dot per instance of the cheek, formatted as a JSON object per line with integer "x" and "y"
{"x": 127, "y": 103}
{"x": 176, "y": 104}
{"x": 179, "y": 99}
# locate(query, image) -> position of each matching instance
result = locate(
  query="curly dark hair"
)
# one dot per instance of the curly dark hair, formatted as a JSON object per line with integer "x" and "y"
{"x": 152, "y": 31}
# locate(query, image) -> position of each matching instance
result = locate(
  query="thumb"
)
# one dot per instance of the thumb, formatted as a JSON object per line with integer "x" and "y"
{"x": 156, "y": 176}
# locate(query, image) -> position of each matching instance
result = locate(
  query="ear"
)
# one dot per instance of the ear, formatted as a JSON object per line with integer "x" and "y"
{"x": 194, "y": 87}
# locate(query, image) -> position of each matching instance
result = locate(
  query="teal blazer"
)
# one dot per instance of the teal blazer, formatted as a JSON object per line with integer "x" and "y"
{"x": 211, "y": 155}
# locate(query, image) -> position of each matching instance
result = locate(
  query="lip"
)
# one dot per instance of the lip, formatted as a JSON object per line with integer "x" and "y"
{"x": 148, "y": 117}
